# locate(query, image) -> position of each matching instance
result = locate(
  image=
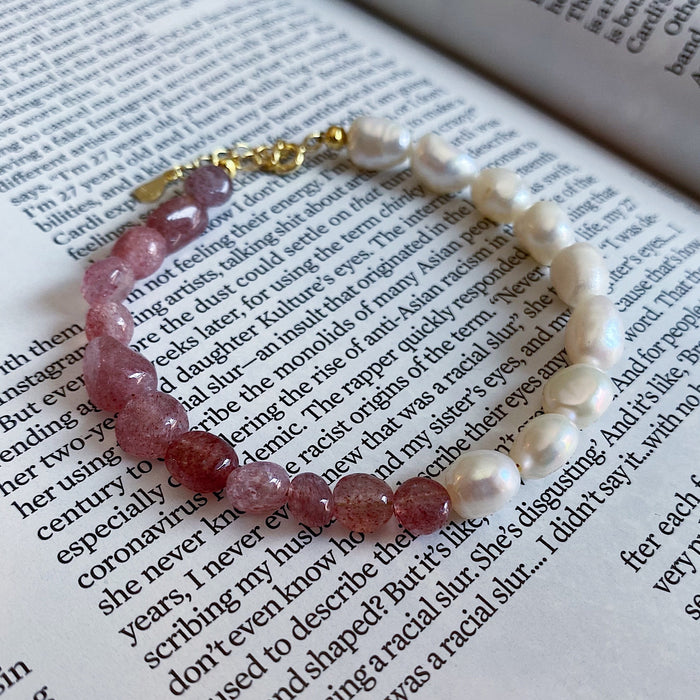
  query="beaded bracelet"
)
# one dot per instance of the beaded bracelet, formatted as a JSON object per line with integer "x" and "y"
{"x": 152, "y": 424}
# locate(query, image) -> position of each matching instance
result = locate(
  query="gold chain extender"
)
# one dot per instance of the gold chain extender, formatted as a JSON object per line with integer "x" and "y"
{"x": 280, "y": 158}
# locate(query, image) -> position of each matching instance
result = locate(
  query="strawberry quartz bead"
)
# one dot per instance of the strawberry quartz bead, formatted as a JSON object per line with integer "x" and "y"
{"x": 142, "y": 248}
{"x": 112, "y": 319}
{"x": 422, "y": 505}
{"x": 209, "y": 185}
{"x": 114, "y": 373}
{"x": 310, "y": 500}
{"x": 110, "y": 279}
{"x": 179, "y": 220}
{"x": 149, "y": 423}
{"x": 258, "y": 487}
{"x": 201, "y": 461}
{"x": 362, "y": 502}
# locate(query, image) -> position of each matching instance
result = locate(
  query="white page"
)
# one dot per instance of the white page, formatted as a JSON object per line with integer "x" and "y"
{"x": 580, "y": 610}
{"x": 626, "y": 72}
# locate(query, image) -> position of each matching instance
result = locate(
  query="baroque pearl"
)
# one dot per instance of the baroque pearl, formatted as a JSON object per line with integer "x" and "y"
{"x": 577, "y": 272}
{"x": 594, "y": 333}
{"x": 543, "y": 445}
{"x": 500, "y": 194}
{"x": 480, "y": 482}
{"x": 440, "y": 167}
{"x": 375, "y": 143}
{"x": 543, "y": 231}
{"x": 579, "y": 392}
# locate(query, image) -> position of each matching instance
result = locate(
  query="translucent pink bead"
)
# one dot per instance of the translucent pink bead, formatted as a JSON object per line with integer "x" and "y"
{"x": 362, "y": 502}
{"x": 201, "y": 461}
{"x": 110, "y": 279}
{"x": 310, "y": 500}
{"x": 209, "y": 185}
{"x": 179, "y": 220}
{"x": 149, "y": 423}
{"x": 258, "y": 487}
{"x": 422, "y": 505}
{"x": 111, "y": 319}
{"x": 114, "y": 373}
{"x": 142, "y": 248}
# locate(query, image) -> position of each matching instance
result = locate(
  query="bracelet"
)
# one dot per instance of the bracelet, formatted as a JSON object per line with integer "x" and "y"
{"x": 152, "y": 424}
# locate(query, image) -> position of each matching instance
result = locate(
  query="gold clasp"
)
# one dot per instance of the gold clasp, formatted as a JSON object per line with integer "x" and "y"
{"x": 282, "y": 158}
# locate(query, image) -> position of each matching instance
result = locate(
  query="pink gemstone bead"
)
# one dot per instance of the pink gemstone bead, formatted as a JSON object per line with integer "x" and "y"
{"x": 362, "y": 502}
{"x": 209, "y": 185}
{"x": 310, "y": 500}
{"x": 110, "y": 279}
{"x": 258, "y": 487}
{"x": 114, "y": 373}
{"x": 422, "y": 505}
{"x": 149, "y": 423}
{"x": 179, "y": 220}
{"x": 201, "y": 461}
{"x": 142, "y": 248}
{"x": 111, "y": 319}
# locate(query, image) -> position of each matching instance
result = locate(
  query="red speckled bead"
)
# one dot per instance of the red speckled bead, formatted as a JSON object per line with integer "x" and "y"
{"x": 179, "y": 220}
{"x": 422, "y": 505}
{"x": 111, "y": 319}
{"x": 143, "y": 248}
{"x": 310, "y": 500}
{"x": 149, "y": 423}
{"x": 258, "y": 487}
{"x": 209, "y": 185}
{"x": 114, "y": 373}
{"x": 362, "y": 502}
{"x": 110, "y": 279}
{"x": 201, "y": 461}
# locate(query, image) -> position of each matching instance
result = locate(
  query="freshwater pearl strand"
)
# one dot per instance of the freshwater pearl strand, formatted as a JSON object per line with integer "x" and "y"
{"x": 154, "y": 425}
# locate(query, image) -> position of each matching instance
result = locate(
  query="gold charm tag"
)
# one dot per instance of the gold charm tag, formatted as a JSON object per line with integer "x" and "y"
{"x": 153, "y": 190}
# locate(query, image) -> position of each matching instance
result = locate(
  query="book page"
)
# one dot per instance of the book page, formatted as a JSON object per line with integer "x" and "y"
{"x": 333, "y": 321}
{"x": 625, "y": 71}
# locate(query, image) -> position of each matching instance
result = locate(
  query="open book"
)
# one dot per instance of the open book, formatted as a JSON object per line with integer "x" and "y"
{"x": 625, "y": 71}
{"x": 333, "y": 321}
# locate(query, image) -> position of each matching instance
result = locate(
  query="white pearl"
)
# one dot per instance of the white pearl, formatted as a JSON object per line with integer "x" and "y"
{"x": 481, "y": 482}
{"x": 500, "y": 194}
{"x": 543, "y": 231}
{"x": 577, "y": 272}
{"x": 439, "y": 166}
{"x": 594, "y": 334}
{"x": 579, "y": 392}
{"x": 543, "y": 445}
{"x": 375, "y": 143}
